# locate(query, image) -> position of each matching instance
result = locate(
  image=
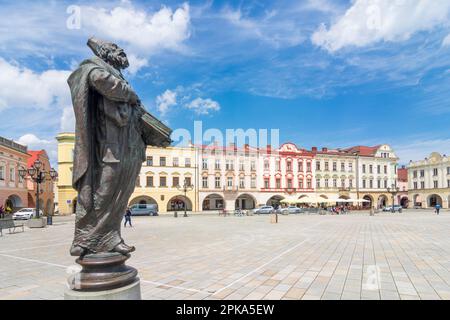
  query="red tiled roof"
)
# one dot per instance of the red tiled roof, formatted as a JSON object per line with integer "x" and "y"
{"x": 363, "y": 150}
{"x": 35, "y": 154}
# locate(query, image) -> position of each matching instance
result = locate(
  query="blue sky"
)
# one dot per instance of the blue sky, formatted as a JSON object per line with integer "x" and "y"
{"x": 326, "y": 73}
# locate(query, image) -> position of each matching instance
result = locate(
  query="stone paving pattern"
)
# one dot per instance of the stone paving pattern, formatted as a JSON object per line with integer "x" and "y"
{"x": 388, "y": 256}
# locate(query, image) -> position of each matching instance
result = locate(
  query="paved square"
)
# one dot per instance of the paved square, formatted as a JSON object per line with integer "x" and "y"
{"x": 388, "y": 256}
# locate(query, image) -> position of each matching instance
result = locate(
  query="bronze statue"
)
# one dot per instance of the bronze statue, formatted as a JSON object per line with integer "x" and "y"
{"x": 112, "y": 132}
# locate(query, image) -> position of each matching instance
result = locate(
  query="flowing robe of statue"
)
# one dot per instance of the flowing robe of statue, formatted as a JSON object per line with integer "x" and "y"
{"x": 109, "y": 151}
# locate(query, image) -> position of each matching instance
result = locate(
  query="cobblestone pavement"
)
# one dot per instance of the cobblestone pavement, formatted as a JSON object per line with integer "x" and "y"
{"x": 355, "y": 256}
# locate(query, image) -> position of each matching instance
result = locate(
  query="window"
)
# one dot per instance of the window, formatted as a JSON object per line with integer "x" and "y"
{"x": 266, "y": 164}
{"x": 149, "y": 161}
{"x": 300, "y": 183}
{"x": 326, "y": 183}
{"x": 435, "y": 172}
{"x": 422, "y": 185}
{"x": 350, "y": 167}
{"x": 289, "y": 166}
{"x": 204, "y": 164}
{"x": 334, "y": 183}
{"x": 415, "y": 174}
{"x": 230, "y": 182}
{"x": 175, "y": 181}
{"x": 370, "y": 168}
{"x": 266, "y": 184}
{"x": 241, "y": 165}
{"x": 217, "y": 182}
{"x": 277, "y": 165}
{"x": 217, "y": 164}
{"x": 379, "y": 184}
{"x": 308, "y": 166}
{"x": 187, "y": 162}
{"x": 229, "y": 165}
{"x": 342, "y": 183}
{"x": 448, "y": 170}
{"x": 364, "y": 168}
{"x": 12, "y": 174}
{"x": 2, "y": 173}
{"x": 364, "y": 183}
{"x": 176, "y": 162}
{"x": 289, "y": 183}
{"x": 435, "y": 184}
{"x": 163, "y": 181}
{"x": 253, "y": 182}
{"x": 278, "y": 183}
{"x": 334, "y": 166}
{"x": 253, "y": 165}
{"x": 415, "y": 185}
{"x": 317, "y": 166}
{"x": 385, "y": 169}
{"x": 350, "y": 183}
{"x": 204, "y": 182}
{"x": 385, "y": 184}
{"x": 326, "y": 166}
{"x": 378, "y": 169}
{"x": 422, "y": 173}
{"x": 300, "y": 166}
{"x": 342, "y": 166}
{"x": 308, "y": 183}
{"x": 448, "y": 183}
{"x": 242, "y": 183}
{"x": 162, "y": 161}
{"x": 371, "y": 184}
{"x": 318, "y": 183}
{"x": 188, "y": 181}
{"x": 149, "y": 181}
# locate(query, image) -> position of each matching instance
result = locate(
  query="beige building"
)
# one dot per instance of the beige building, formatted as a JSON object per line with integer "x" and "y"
{"x": 160, "y": 182}
{"x": 429, "y": 181}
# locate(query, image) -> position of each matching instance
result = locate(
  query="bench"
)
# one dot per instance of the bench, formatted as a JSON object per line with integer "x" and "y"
{"x": 9, "y": 223}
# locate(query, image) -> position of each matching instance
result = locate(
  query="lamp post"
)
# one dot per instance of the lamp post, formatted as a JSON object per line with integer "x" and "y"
{"x": 185, "y": 188}
{"x": 393, "y": 190}
{"x": 38, "y": 175}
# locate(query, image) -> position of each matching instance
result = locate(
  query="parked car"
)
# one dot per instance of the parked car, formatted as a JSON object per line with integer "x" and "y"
{"x": 144, "y": 210}
{"x": 397, "y": 208}
{"x": 26, "y": 213}
{"x": 264, "y": 210}
{"x": 290, "y": 209}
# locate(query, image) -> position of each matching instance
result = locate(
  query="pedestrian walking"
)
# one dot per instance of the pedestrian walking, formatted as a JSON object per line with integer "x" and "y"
{"x": 127, "y": 218}
{"x": 437, "y": 207}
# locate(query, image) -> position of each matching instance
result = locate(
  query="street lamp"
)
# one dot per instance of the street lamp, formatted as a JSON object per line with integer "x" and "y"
{"x": 39, "y": 176}
{"x": 393, "y": 190}
{"x": 185, "y": 188}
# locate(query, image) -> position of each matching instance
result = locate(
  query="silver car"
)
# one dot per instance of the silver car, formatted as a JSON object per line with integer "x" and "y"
{"x": 263, "y": 210}
{"x": 25, "y": 214}
{"x": 290, "y": 209}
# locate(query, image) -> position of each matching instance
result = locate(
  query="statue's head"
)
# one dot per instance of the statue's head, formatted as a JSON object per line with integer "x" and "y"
{"x": 109, "y": 52}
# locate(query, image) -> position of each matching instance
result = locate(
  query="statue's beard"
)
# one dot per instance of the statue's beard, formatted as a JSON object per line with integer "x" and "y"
{"x": 117, "y": 61}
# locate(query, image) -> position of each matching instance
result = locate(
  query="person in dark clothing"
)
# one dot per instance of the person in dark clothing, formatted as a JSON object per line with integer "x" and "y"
{"x": 128, "y": 218}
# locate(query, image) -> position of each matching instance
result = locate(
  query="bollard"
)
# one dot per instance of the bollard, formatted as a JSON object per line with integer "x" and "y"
{"x": 175, "y": 214}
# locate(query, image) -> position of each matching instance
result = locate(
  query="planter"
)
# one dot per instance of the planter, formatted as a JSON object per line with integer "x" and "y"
{"x": 37, "y": 223}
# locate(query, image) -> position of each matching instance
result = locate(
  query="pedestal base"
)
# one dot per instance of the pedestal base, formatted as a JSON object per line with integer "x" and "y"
{"x": 129, "y": 292}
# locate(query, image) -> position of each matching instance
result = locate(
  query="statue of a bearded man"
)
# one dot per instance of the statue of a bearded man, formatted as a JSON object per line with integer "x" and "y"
{"x": 109, "y": 150}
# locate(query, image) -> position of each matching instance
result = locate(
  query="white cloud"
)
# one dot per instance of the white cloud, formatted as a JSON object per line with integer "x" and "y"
{"x": 419, "y": 149}
{"x": 203, "y": 106}
{"x": 23, "y": 88}
{"x": 368, "y": 21}
{"x": 35, "y": 143}
{"x": 136, "y": 64}
{"x": 446, "y": 41}
{"x": 166, "y": 100}
{"x": 67, "y": 120}
{"x": 146, "y": 32}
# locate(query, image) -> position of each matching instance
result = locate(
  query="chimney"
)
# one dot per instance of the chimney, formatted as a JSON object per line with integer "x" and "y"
{"x": 324, "y": 149}
{"x": 269, "y": 148}
{"x": 314, "y": 149}
{"x": 246, "y": 146}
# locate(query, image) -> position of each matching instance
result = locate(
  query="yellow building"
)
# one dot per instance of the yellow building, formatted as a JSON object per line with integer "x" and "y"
{"x": 160, "y": 182}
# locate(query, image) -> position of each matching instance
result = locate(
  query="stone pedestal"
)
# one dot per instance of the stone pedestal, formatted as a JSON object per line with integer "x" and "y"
{"x": 129, "y": 292}
{"x": 37, "y": 222}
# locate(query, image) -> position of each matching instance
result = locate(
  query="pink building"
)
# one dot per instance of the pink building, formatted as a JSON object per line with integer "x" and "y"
{"x": 47, "y": 195}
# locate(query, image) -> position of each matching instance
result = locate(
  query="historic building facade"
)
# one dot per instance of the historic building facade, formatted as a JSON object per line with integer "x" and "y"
{"x": 231, "y": 177}
{"x": 13, "y": 189}
{"x": 429, "y": 181}
{"x": 46, "y": 197}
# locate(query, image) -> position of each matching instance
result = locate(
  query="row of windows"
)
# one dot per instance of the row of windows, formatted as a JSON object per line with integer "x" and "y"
{"x": 435, "y": 184}
{"x": 381, "y": 184}
{"x": 229, "y": 165}
{"x": 335, "y": 183}
{"x": 289, "y": 166}
{"x": 289, "y": 183}
{"x": 163, "y": 181}
{"x": 385, "y": 169}
{"x": 229, "y": 182}
{"x": 435, "y": 172}
{"x": 334, "y": 166}
{"x": 163, "y": 161}
{"x": 12, "y": 174}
